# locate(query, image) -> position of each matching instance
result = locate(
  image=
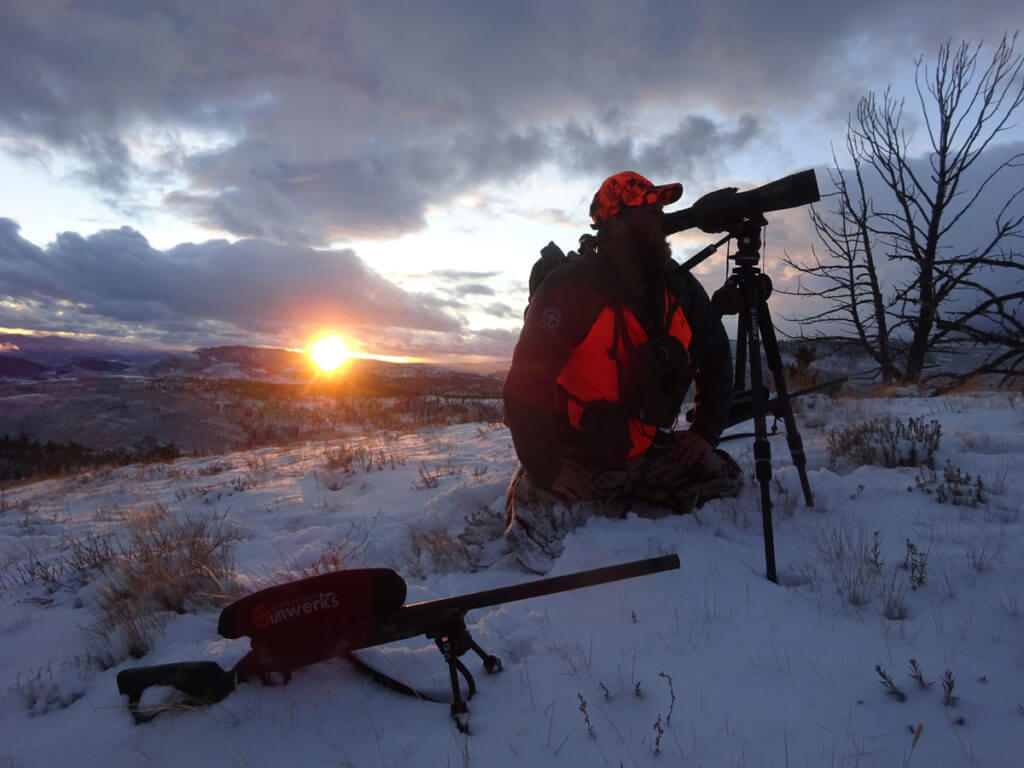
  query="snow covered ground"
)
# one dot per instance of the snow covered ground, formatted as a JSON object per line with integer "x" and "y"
{"x": 710, "y": 665}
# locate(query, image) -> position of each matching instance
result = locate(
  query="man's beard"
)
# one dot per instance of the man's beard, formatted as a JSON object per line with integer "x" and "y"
{"x": 650, "y": 251}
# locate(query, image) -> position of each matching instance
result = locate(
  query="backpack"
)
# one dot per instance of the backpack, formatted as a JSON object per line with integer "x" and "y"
{"x": 552, "y": 257}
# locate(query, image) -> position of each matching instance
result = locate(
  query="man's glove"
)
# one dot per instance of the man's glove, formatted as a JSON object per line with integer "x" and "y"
{"x": 689, "y": 448}
{"x": 718, "y": 210}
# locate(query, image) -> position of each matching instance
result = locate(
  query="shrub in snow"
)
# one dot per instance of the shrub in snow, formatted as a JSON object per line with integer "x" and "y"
{"x": 952, "y": 486}
{"x": 890, "y": 686}
{"x": 894, "y": 601}
{"x": 854, "y": 564}
{"x": 982, "y": 555}
{"x": 918, "y": 675}
{"x": 349, "y": 460}
{"x": 800, "y": 373}
{"x": 41, "y": 692}
{"x": 886, "y": 442}
{"x": 429, "y": 478}
{"x": 86, "y": 555}
{"x": 433, "y": 549}
{"x": 916, "y": 563}
{"x": 343, "y": 553}
{"x": 948, "y": 684}
{"x": 169, "y": 565}
{"x": 74, "y": 565}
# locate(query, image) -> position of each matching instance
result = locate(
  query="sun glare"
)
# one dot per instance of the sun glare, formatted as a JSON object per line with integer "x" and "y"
{"x": 329, "y": 353}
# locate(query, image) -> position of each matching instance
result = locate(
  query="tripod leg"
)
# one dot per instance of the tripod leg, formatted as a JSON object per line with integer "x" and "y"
{"x": 762, "y": 449}
{"x": 796, "y": 444}
{"x": 742, "y": 331}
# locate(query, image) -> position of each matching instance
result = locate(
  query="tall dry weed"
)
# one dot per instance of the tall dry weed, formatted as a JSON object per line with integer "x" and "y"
{"x": 433, "y": 548}
{"x": 169, "y": 564}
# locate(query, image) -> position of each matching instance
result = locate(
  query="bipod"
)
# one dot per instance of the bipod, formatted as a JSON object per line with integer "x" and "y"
{"x": 745, "y": 294}
{"x": 453, "y": 640}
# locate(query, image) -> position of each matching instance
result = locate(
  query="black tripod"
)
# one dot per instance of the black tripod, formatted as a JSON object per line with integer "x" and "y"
{"x": 745, "y": 294}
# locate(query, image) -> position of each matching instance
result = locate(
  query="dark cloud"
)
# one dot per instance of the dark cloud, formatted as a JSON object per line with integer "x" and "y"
{"x": 114, "y": 281}
{"x": 387, "y": 194}
{"x": 370, "y": 194}
{"x": 349, "y": 120}
{"x": 377, "y": 193}
{"x": 695, "y": 149}
{"x": 474, "y": 289}
{"x": 554, "y": 216}
{"x": 455, "y": 275}
{"x": 464, "y": 284}
{"x": 503, "y": 311}
{"x": 494, "y": 343}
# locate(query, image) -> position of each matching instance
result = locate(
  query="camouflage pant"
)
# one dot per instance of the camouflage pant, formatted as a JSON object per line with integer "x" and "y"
{"x": 537, "y": 519}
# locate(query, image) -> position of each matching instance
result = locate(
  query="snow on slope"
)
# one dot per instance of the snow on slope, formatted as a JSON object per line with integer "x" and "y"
{"x": 710, "y": 665}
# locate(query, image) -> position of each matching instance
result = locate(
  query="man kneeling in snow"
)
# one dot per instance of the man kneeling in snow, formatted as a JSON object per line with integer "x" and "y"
{"x": 606, "y": 355}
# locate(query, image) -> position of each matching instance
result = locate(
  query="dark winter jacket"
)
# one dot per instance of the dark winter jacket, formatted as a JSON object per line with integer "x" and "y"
{"x": 661, "y": 343}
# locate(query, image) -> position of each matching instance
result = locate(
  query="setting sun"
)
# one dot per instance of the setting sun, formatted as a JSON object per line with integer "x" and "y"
{"x": 329, "y": 352}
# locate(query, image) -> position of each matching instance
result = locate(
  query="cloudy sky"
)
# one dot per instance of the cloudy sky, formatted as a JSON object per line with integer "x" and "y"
{"x": 185, "y": 174}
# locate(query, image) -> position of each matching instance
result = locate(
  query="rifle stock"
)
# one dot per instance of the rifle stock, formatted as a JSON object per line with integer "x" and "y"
{"x": 203, "y": 682}
{"x": 742, "y": 408}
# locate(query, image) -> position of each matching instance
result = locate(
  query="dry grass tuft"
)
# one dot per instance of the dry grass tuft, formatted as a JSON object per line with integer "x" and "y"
{"x": 971, "y": 385}
{"x": 433, "y": 548}
{"x": 340, "y": 554}
{"x": 42, "y": 692}
{"x": 169, "y": 565}
{"x": 846, "y": 552}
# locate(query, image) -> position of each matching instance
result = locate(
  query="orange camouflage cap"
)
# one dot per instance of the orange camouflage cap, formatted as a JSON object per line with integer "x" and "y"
{"x": 629, "y": 188}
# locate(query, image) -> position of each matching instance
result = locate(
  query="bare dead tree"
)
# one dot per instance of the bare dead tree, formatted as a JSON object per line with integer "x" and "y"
{"x": 846, "y": 279}
{"x": 950, "y": 296}
{"x": 997, "y": 323}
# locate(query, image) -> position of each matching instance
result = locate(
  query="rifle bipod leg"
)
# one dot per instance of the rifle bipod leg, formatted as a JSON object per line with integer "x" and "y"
{"x": 459, "y": 709}
{"x": 453, "y": 640}
{"x": 491, "y": 663}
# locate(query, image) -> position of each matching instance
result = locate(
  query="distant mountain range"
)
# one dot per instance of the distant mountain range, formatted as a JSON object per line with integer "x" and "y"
{"x": 49, "y": 358}
{"x": 38, "y": 367}
{"x": 19, "y": 368}
{"x": 212, "y": 399}
{"x": 233, "y": 362}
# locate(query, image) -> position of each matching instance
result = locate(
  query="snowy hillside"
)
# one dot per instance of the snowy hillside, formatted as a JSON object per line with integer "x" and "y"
{"x": 711, "y": 665}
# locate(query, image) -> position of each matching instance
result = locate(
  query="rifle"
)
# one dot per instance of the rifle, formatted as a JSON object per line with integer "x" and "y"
{"x": 742, "y": 408}
{"x": 305, "y": 622}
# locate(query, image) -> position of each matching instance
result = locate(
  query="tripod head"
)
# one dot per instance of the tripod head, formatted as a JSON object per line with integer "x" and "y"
{"x": 748, "y": 244}
{"x": 746, "y": 282}
{"x": 748, "y": 241}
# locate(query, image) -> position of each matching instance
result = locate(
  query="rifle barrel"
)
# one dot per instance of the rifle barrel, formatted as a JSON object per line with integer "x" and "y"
{"x": 551, "y": 585}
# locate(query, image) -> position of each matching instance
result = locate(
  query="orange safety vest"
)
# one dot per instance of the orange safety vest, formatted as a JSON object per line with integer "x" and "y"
{"x": 593, "y": 368}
